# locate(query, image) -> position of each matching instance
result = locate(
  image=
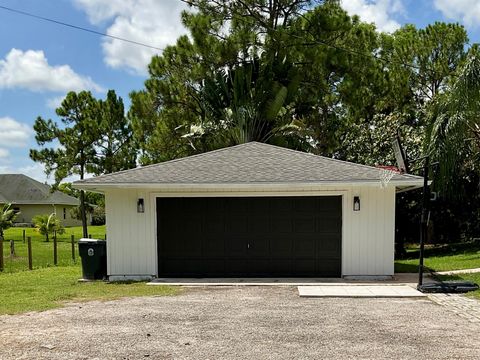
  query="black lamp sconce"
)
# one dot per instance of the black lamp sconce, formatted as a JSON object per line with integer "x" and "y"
{"x": 140, "y": 206}
{"x": 356, "y": 203}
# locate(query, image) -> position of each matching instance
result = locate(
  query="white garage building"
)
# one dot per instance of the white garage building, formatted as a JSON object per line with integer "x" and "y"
{"x": 250, "y": 210}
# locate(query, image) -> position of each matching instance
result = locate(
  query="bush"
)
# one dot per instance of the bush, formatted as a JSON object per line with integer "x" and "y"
{"x": 47, "y": 224}
{"x": 98, "y": 216}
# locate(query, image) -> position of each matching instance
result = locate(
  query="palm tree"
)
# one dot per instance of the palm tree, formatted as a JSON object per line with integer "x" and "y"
{"x": 248, "y": 103}
{"x": 47, "y": 224}
{"x": 454, "y": 135}
{"x": 7, "y": 217}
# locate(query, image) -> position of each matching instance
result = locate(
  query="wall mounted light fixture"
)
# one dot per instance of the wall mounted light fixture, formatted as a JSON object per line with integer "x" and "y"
{"x": 140, "y": 206}
{"x": 356, "y": 203}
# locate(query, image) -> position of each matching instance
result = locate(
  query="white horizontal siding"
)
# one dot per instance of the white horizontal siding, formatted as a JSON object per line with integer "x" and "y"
{"x": 367, "y": 241}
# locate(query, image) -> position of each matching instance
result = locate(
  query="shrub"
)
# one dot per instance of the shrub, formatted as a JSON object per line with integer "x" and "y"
{"x": 98, "y": 216}
{"x": 7, "y": 216}
{"x": 47, "y": 224}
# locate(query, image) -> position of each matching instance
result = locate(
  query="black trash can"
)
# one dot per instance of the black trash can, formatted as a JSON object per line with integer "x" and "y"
{"x": 94, "y": 258}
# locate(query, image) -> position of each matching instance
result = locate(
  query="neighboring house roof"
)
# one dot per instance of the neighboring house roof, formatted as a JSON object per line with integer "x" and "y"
{"x": 20, "y": 189}
{"x": 250, "y": 163}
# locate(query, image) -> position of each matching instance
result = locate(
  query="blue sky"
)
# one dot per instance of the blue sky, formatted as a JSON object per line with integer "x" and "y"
{"x": 40, "y": 62}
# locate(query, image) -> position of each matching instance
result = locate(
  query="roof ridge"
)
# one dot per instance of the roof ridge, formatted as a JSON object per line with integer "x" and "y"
{"x": 171, "y": 161}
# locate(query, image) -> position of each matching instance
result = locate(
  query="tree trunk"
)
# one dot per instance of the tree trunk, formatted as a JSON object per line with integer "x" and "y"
{"x": 83, "y": 214}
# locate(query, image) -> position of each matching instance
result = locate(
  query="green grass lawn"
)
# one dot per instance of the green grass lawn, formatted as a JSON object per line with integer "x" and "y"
{"x": 48, "y": 288}
{"x": 445, "y": 258}
{"x": 449, "y": 257}
{"x": 42, "y": 252}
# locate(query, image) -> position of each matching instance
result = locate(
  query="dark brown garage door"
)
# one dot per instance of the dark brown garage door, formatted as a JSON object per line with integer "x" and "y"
{"x": 255, "y": 236}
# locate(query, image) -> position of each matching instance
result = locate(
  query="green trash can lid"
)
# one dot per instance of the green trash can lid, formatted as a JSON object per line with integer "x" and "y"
{"x": 90, "y": 241}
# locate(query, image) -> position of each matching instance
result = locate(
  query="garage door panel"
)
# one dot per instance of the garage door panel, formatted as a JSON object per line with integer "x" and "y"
{"x": 306, "y": 205}
{"x": 259, "y": 224}
{"x": 213, "y": 266}
{"x": 282, "y": 205}
{"x": 191, "y": 225}
{"x": 236, "y": 246}
{"x": 214, "y": 206}
{"x": 192, "y": 247}
{"x": 328, "y": 224}
{"x": 237, "y": 224}
{"x": 277, "y": 236}
{"x": 332, "y": 204}
{"x": 259, "y": 267}
{"x": 281, "y": 224}
{"x": 304, "y": 247}
{"x": 329, "y": 246}
{"x": 304, "y": 267}
{"x": 236, "y": 205}
{"x": 213, "y": 246}
{"x": 172, "y": 247}
{"x": 304, "y": 224}
{"x": 194, "y": 205}
{"x": 328, "y": 267}
{"x": 215, "y": 225}
{"x": 260, "y": 207}
{"x": 281, "y": 266}
{"x": 281, "y": 246}
{"x": 235, "y": 266}
{"x": 258, "y": 246}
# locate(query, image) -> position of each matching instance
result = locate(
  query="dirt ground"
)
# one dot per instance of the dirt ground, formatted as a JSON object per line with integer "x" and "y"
{"x": 241, "y": 323}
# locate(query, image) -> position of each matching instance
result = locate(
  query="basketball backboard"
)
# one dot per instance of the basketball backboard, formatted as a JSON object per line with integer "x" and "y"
{"x": 400, "y": 155}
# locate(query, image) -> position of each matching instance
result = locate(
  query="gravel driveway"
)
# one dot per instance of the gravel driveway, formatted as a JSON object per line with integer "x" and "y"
{"x": 241, "y": 322}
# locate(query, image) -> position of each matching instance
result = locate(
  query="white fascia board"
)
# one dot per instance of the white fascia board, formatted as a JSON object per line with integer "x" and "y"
{"x": 247, "y": 187}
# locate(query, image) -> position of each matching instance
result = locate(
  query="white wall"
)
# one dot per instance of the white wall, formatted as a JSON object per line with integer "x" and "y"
{"x": 367, "y": 240}
{"x": 369, "y": 234}
{"x": 131, "y": 239}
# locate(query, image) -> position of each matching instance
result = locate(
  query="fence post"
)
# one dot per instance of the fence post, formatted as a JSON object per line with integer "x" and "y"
{"x": 29, "y": 248}
{"x": 12, "y": 248}
{"x": 1, "y": 253}
{"x": 24, "y": 236}
{"x": 55, "y": 248}
{"x": 73, "y": 248}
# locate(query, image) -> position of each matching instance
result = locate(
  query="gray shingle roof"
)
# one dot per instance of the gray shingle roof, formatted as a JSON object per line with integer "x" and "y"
{"x": 248, "y": 163}
{"x": 20, "y": 189}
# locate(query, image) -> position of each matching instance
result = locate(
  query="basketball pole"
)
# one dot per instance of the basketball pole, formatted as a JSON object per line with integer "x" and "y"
{"x": 423, "y": 220}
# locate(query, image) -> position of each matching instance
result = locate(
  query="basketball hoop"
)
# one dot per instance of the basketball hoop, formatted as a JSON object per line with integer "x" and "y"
{"x": 386, "y": 174}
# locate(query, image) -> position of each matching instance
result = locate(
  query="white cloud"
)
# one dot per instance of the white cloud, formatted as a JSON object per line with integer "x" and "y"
{"x": 55, "y": 102}
{"x": 466, "y": 11}
{"x": 4, "y": 154}
{"x": 13, "y": 133}
{"x": 30, "y": 70}
{"x": 35, "y": 171}
{"x": 152, "y": 22}
{"x": 378, "y": 12}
